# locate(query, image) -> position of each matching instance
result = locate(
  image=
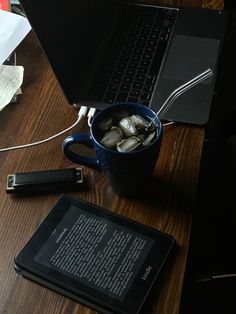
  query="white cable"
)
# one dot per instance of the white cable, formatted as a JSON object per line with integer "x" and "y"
{"x": 168, "y": 123}
{"x": 90, "y": 115}
{"x": 81, "y": 115}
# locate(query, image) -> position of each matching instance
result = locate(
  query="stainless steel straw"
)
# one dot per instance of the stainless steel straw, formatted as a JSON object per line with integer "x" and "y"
{"x": 182, "y": 89}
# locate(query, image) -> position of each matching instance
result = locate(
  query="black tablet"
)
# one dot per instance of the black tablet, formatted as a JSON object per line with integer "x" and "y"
{"x": 96, "y": 257}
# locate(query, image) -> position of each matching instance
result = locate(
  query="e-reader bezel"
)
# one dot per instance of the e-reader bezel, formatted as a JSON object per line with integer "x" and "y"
{"x": 139, "y": 289}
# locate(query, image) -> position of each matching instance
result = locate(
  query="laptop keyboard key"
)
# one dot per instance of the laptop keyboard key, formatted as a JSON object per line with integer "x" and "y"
{"x": 144, "y": 102}
{"x": 146, "y": 96}
{"x": 135, "y": 93}
{"x": 158, "y": 57}
{"x": 148, "y": 89}
{"x": 135, "y": 58}
{"x": 125, "y": 87}
{"x": 151, "y": 80}
{"x": 122, "y": 96}
{"x": 130, "y": 72}
{"x": 119, "y": 72}
{"x": 116, "y": 80}
{"x": 145, "y": 63}
{"x": 140, "y": 78}
{"x": 133, "y": 100}
{"x": 138, "y": 85}
{"x": 113, "y": 87}
{"x": 109, "y": 98}
{"x": 142, "y": 70}
{"x": 128, "y": 79}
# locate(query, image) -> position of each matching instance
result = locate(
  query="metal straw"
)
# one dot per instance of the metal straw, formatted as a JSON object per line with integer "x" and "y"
{"x": 180, "y": 90}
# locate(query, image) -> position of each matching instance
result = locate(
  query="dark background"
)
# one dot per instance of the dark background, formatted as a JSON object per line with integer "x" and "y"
{"x": 212, "y": 248}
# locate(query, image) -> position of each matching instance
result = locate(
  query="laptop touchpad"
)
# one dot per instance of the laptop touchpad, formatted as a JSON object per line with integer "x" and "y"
{"x": 189, "y": 56}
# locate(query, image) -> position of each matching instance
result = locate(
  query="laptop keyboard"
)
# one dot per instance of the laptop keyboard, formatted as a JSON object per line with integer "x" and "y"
{"x": 131, "y": 67}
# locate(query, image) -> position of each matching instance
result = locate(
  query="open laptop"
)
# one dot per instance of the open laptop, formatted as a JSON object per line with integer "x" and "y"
{"x": 107, "y": 51}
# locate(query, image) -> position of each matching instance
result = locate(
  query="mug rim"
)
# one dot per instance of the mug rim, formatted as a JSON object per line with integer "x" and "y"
{"x": 109, "y": 107}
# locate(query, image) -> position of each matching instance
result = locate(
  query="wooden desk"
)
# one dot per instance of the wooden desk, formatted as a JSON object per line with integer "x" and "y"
{"x": 42, "y": 111}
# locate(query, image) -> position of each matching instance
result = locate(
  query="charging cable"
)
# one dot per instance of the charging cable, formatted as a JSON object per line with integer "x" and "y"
{"x": 82, "y": 112}
{"x": 90, "y": 115}
{"x": 168, "y": 123}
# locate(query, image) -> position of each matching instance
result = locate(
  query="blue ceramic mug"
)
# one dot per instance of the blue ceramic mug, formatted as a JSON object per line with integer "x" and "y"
{"x": 127, "y": 172}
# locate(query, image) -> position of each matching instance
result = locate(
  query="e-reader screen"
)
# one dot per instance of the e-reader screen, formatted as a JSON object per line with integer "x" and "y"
{"x": 99, "y": 253}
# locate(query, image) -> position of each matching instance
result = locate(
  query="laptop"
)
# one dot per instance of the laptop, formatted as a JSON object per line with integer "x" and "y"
{"x": 107, "y": 51}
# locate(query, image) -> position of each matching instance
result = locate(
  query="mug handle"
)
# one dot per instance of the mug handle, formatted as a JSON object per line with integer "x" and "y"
{"x": 83, "y": 139}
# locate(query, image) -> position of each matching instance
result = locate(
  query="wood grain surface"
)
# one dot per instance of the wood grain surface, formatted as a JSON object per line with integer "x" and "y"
{"x": 211, "y": 4}
{"x": 42, "y": 111}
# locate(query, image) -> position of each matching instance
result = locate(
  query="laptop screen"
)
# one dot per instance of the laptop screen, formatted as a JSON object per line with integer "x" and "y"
{"x": 72, "y": 34}
{"x": 148, "y": 49}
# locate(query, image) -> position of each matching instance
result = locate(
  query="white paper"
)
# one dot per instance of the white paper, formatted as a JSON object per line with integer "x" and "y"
{"x": 13, "y": 29}
{"x": 11, "y": 78}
